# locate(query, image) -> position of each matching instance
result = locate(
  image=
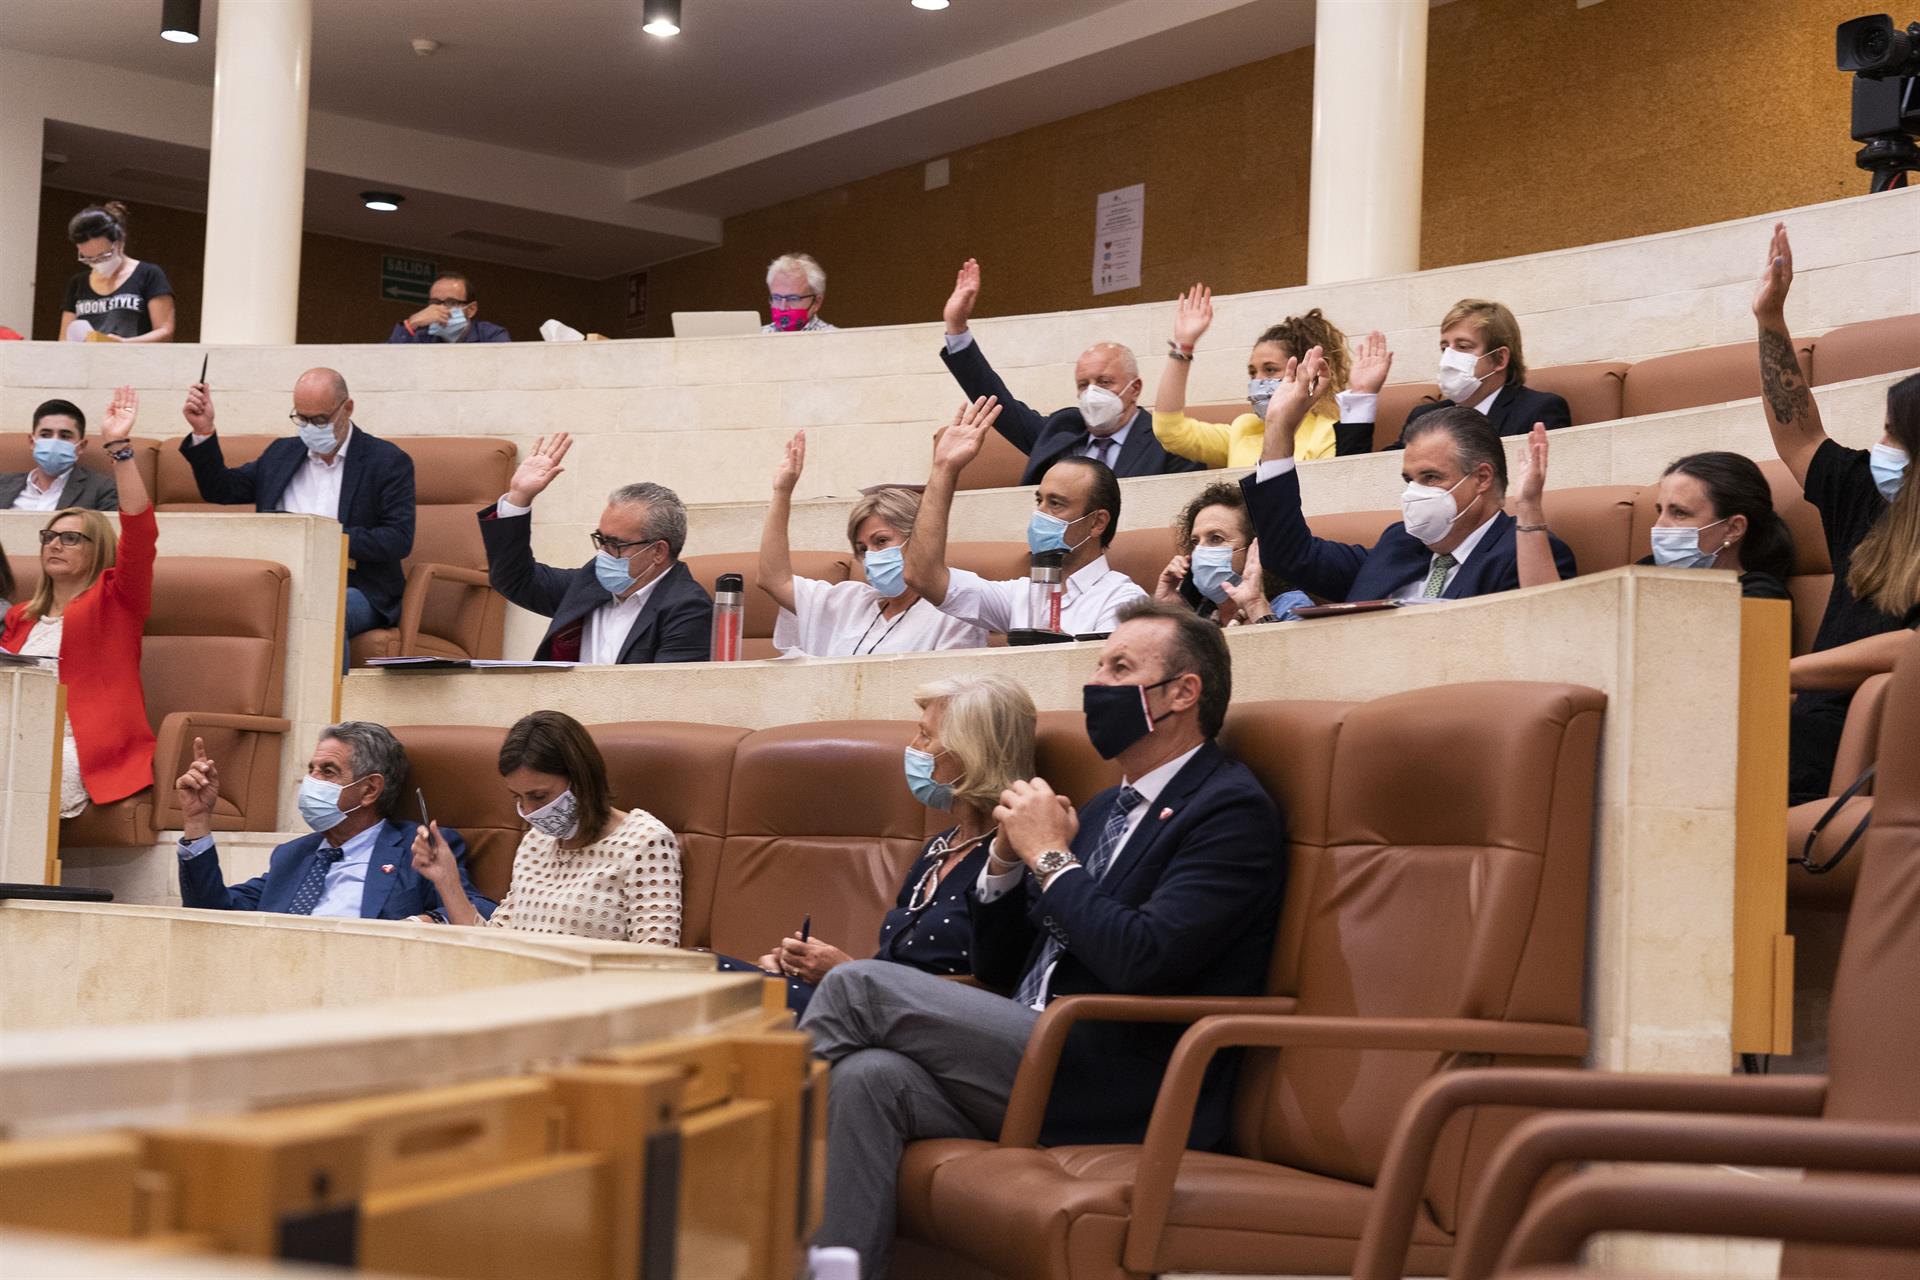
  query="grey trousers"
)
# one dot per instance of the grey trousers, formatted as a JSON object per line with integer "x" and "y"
{"x": 913, "y": 1056}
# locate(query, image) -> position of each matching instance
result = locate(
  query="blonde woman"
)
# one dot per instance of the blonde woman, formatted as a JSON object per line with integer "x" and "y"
{"x": 88, "y": 614}
{"x": 840, "y": 619}
{"x": 975, "y": 739}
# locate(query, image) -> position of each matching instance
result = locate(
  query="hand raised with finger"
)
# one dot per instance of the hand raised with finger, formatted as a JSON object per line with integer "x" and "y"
{"x": 538, "y": 469}
{"x": 792, "y": 463}
{"x": 1193, "y": 315}
{"x": 966, "y": 293}
{"x": 1372, "y": 362}
{"x": 118, "y": 424}
{"x": 1776, "y": 278}
{"x": 961, "y": 441}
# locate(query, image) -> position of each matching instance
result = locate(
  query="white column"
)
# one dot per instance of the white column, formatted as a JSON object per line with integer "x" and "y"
{"x": 1369, "y": 133}
{"x": 21, "y": 123}
{"x": 256, "y": 185}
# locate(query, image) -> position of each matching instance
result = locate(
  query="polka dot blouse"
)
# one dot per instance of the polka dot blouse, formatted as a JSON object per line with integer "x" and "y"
{"x": 624, "y": 887}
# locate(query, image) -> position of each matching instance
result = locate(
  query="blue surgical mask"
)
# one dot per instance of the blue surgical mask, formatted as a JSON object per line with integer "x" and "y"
{"x": 1049, "y": 533}
{"x": 1888, "y": 463}
{"x": 887, "y": 570}
{"x": 612, "y": 572}
{"x": 1260, "y": 393}
{"x": 920, "y": 780}
{"x": 320, "y": 803}
{"x": 318, "y": 439}
{"x": 1678, "y": 547}
{"x": 1213, "y": 572}
{"x": 54, "y": 456}
{"x": 455, "y": 326}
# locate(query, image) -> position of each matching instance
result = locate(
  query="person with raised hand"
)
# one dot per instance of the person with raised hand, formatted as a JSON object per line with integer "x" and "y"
{"x": 1106, "y": 423}
{"x": 1076, "y": 513}
{"x": 1217, "y": 574}
{"x": 634, "y": 602}
{"x": 87, "y": 616}
{"x": 1869, "y": 511}
{"x": 837, "y": 619}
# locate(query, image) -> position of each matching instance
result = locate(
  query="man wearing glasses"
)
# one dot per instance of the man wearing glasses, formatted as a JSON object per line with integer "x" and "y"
{"x": 796, "y": 286}
{"x": 451, "y": 315}
{"x": 633, "y": 602}
{"x": 328, "y": 467}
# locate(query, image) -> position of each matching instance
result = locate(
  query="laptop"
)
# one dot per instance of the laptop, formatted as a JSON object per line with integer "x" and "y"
{"x": 715, "y": 324}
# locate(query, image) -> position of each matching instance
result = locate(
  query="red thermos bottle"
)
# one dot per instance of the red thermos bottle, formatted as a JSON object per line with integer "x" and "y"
{"x": 729, "y": 616}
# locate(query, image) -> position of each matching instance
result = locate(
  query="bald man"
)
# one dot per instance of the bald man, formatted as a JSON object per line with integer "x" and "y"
{"x": 1106, "y": 422}
{"x": 328, "y": 467}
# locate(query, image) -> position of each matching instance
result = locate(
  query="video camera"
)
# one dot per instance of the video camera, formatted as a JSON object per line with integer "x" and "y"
{"x": 1885, "y": 62}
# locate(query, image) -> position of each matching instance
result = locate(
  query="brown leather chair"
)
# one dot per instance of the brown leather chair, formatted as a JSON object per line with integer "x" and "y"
{"x": 1812, "y": 578}
{"x": 1705, "y": 375}
{"x": 1867, "y": 348}
{"x": 1862, "y": 1116}
{"x": 1142, "y": 554}
{"x": 213, "y": 663}
{"x": 16, "y": 454}
{"x": 457, "y": 769}
{"x": 175, "y": 488}
{"x": 998, "y": 466}
{"x": 1436, "y": 908}
{"x": 1592, "y": 391}
{"x": 762, "y": 613}
{"x": 1599, "y": 523}
{"x": 1397, "y": 400}
{"x": 994, "y": 561}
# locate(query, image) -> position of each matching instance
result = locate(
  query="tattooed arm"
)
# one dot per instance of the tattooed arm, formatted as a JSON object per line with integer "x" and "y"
{"x": 1792, "y": 416}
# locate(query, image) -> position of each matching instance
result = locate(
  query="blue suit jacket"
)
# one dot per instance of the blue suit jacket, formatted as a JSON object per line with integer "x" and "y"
{"x": 1189, "y": 907}
{"x": 1340, "y": 571}
{"x": 393, "y": 895}
{"x": 376, "y": 503}
{"x": 1044, "y": 438}
{"x": 476, "y": 331}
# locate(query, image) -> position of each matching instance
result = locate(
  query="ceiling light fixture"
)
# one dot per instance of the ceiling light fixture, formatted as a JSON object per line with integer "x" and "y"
{"x": 382, "y": 201}
{"x": 180, "y": 21}
{"x": 931, "y": 5}
{"x": 661, "y": 17}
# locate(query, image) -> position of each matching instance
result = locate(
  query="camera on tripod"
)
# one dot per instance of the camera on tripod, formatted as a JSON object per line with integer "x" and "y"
{"x": 1885, "y": 62}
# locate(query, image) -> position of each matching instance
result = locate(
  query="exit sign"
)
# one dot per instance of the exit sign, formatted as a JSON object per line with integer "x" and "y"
{"x": 405, "y": 279}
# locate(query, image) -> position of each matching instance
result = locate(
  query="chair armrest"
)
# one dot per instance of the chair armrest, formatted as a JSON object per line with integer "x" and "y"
{"x": 1873, "y": 1212}
{"x": 413, "y": 600}
{"x": 175, "y": 739}
{"x": 1542, "y": 1142}
{"x": 1167, "y": 1131}
{"x": 1388, "y": 1232}
{"x": 1027, "y": 1107}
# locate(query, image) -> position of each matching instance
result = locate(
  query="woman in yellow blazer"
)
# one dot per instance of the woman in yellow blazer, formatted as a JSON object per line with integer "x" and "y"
{"x": 1237, "y": 444}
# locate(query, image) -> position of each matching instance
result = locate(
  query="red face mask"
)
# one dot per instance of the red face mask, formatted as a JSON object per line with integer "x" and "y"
{"x": 787, "y": 319}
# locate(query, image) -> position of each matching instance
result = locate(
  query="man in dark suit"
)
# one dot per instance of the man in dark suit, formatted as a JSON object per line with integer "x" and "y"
{"x": 633, "y": 602}
{"x": 1107, "y": 423}
{"x": 359, "y": 860}
{"x": 1169, "y": 884}
{"x": 329, "y": 467}
{"x": 1455, "y": 541}
{"x": 56, "y": 481}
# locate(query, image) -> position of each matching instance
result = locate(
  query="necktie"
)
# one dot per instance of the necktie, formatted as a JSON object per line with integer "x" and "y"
{"x": 1437, "y": 580}
{"x": 306, "y": 896}
{"x": 1034, "y": 983}
{"x": 1103, "y": 450}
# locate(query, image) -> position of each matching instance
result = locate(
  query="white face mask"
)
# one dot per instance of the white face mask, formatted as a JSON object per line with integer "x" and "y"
{"x": 1099, "y": 406}
{"x": 1888, "y": 465}
{"x": 1458, "y": 381}
{"x": 1430, "y": 513}
{"x": 107, "y": 266}
{"x": 1677, "y": 546}
{"x": 558, "y": 817}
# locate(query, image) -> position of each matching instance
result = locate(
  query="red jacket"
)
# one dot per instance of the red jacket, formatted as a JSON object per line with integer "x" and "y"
{"x": 100, "y": 665}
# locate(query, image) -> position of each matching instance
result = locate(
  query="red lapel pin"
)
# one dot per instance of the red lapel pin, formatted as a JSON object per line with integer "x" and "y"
{"x": 387, "y": 867}
{"x": 1165, "y": 814}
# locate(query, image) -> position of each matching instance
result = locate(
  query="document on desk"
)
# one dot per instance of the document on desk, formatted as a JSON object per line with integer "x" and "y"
{"x": 430, "y": 663}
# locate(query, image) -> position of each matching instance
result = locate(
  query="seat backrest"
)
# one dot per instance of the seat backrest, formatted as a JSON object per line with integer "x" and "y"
{"x": 1396, "y": 402}
{"x": 16, "y": 454}
{"x": 176, "y": 489}
{"x": 1360, "y": 528}
{"x": 1142, "y": 554}
{"x": 1592, "y": 391}
{"x": 457, "y": 769}
{"x": 1812, "y": 579}
{"x": 998, "y": 466}
{"x": 1598, "y": 524}
{"x": 994, "y": 561}
{"x": 1219, "y": 411}
{"x": 1865, "y": 349}
{"x": 1452, "y": 882}
{"x": 1688, "y": 379}
{"x": 762, "y": 612}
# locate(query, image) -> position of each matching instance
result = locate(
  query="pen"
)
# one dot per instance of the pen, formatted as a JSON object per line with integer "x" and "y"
{"x": 806, "y": 928}
{"x": 203, "y": 367}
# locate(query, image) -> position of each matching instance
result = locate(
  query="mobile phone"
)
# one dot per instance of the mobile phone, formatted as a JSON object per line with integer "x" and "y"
{"x": 425, "y": 821}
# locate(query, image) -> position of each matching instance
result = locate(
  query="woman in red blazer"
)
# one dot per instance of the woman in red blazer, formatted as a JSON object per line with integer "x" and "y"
{"x": 89, "y": 611}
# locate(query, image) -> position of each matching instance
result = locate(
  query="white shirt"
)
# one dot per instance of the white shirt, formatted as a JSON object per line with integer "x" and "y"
{"x": 1150, "y": 785}
{"x": 315, "y": 487}
{"x": 346, "y": 885}
{"x": 1092, "y": 598}
{"x": 608, "y": 626}
{"x": 840, "y": 619}
{"x": 1364, "y": 406}
{"x": 34, "y": 498}
{"x": 1417, "y": 589}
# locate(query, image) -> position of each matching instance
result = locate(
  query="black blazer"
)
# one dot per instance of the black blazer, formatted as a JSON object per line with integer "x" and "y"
{"x": 1047, "y": 437}
{"x": 1188, "y": 908}
{"x": 675, "y": 625}
{"x": 394, "y": 890}
{"x": 376, "y": 503}
{"x": 1513, "y": 412}
{"x": 1338, "y": 571}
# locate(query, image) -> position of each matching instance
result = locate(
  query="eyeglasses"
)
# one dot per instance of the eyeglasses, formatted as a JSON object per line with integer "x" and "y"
{"x": 65, "y": 537}
{"x": 789, "y": 299}
{"x": 616, "y": 546}
{"x": 325, "y": 419}
{"x": 925, "y": 887}
{"x": 99, "y": 258}
{"x": 451, "y": 302}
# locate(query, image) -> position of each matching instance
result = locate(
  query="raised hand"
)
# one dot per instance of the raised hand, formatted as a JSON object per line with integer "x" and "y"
{"x": 1776, "y": 278}
{"x": 1193, "y": 315}
{"x": 792, "y": 463}
{"x": 959, "y": 442}
{"x": 118, "y": 424}
{"x": 1168, "y": 588}
{"x": 1533, "y": 478}
{"x": 1249, "y": 595}
{"x": 1300, "y": 389}
{"x": 433, "y": 857}
{"x": 197, "y": 790}
{"x": 198, "y": 410}
{"x": 1371, "y": 364}
{"x": 539, "y": 469}
{"x": 966, "y": 292}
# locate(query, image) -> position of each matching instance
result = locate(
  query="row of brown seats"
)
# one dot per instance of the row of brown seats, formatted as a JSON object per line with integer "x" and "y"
{"x": 1424, "y": 838}
{"x": 1602, "y": 390}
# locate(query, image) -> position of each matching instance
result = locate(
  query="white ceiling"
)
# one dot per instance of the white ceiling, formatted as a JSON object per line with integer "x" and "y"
{"x": 755, "y": 102}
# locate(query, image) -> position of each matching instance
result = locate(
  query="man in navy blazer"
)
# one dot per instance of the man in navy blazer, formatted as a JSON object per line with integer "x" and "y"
{"x": 329, "y": 467}
{"x": 633, "y": 602}
{"x": 359, "y": 860}
{"x": 1169, "y": 884}
{"x": 1455, "y": 541}
{"x": 1107, "y": 423}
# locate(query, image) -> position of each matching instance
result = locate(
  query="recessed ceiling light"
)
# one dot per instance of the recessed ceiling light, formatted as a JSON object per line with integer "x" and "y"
{"x": 180, "y": 21}
{"x": 662, "y": 17}
{"x": 382, "y": 201}
{"x": 929, "y": 4}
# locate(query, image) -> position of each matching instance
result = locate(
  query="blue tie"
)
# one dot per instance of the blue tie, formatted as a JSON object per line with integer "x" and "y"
{"x": 307, "y": 895}
{"x": 1034, "y": 984}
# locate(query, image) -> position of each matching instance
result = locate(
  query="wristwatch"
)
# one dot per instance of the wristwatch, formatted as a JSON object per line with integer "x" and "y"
{"x": 1054, "y": 860}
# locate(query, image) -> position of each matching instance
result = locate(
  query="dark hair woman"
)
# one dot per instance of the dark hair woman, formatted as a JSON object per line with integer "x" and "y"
{"x": 117, "y": 298}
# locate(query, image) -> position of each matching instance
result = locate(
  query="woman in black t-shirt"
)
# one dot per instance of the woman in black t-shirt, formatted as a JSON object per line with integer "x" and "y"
{"x": 120, "y": 297}
{"x": 1869, "y": 509}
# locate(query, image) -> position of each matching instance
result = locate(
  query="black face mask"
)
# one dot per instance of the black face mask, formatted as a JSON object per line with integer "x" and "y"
{"x": 1117, "y": 715}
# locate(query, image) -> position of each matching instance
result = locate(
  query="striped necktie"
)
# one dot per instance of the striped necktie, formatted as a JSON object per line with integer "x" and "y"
{"x": 1034, "y": 983}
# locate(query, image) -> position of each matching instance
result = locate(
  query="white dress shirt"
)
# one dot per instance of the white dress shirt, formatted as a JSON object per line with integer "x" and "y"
{"x": 1091, "y": 600}
{"x": 34, "y": 498}
{"x": 315, "y": 487}
{"x": 607, "y": 627}
{"x": 346, "y": 884}
{"x": 840, "y": 619}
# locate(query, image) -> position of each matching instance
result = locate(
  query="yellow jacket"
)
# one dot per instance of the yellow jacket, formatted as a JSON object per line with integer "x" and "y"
{"x": 1237, "y": 443}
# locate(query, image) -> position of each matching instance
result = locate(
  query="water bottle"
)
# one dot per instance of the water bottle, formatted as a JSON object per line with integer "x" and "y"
{"x": 1046, "y": 591}
{"x": 729, "y": 616}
